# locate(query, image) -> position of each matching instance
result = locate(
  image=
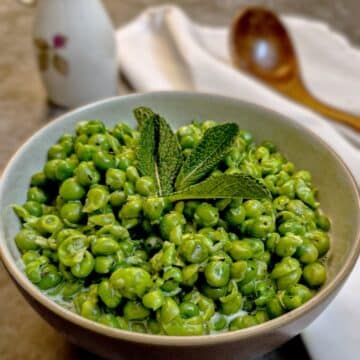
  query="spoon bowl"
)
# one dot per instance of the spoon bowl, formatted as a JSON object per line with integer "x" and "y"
{"x": 261, "y": 46}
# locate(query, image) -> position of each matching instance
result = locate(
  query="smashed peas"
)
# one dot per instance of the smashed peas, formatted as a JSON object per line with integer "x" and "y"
{"x": 96, "y": 239}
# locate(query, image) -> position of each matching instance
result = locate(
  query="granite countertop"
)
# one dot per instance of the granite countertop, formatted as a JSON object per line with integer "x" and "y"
{"x": 24, "y": 109}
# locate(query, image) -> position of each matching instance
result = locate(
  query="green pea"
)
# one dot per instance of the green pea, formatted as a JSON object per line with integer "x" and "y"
{"x": 295, "y": 296}
{"x": 129, "y": 188}
{"x": 305, "y": 193}
{"x": 257, "y": 246}
{"x": 242, "y": 322}
{"x": 253, "y": 208}
{"x": 314, "y": 274}
{"x": 168, "y": 311}
{"x": 134, "y": 310}
{"x": 213, "y": 293}
{"x": 240, "y": 250}
{"x": 232, "y": 306}
{"x": 288, "y": 189}
{"x": 50, "y": 277}
{"x": 33, "y": 269}
{"x": 103, "y": 160}
{"x": 322, "y": 222}
{"x": 29, "y": 255}
{"x": 65, "y": 233}
{"x": 145, "y": 186}
{"x": 90, "y": 309}
{"x": 109, "y": 296}
{"x": 84, "y": 268}
{"x": 38, "y": 179}
{"x": 96, "y": 198}
{"x": 153, "y": 300}
{"x": 218, "y": 322}
{"x": 117, "y": 198}
{"x": 104, "y": 264}
{"x": 86, "y": 174}
{"x": 190, "y": 275}
{"x": 188, "y": 310}
{"x": 274, "y": 307}
{"x": 238, "y": 270}
{"x": 234, "y": 158}
{"x": 34, "y": 208}
{"x": 291, "y": 226}
{"x": 36, "y": 194}
{"x": 121, "y": 130}
{"x": 153, "y": 208}
{"x": 217, "y": 273}
{"x": 70, "y": 189}
{"x": 287, "y": 272}
{"x": 100, "y": 141}
{"x": 90, "y": 127}
{"x": 72, "y": 249}
{"x": 118, "y": 232}
{"x": 261, "y": 226}
{"x": 287, "y": 245}
{"x": 264, "y": 291}
{"x": 154, "y": 327}
{"x": 289, "y": 279}
{"x": 321, "y": 241}
{"x": 104, "y": 245}
{"x": 131, "y": 209}
{"x": 115, "y": 179}
{"x": 63, "y": 169}
{"x": 71, "y": 288}
{"x": 48, "y": 224}
{"x": 194, "y": 248}
{"x": 170, "y": 221}
{"x": 235, "y": 216}
{"x": 132, "y": 174}
{"x": 307, "y": 253}
{"x": 172, "y": 278}
{"x": 131, "y": 282}
{"x": 85, "y": 152}
{"x": 26, "y": 239}
{"x": 57, "y": 151}
{"x": 109, "y": 320}
{"x": 206, "y": 306}
{"x": 206, "y": 215}
{"x": 71, "y": 212}
{"x": 281, "y": 202}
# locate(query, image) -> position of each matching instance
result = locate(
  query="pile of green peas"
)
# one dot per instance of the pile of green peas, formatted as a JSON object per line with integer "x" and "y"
{"x": 96, "y": 239}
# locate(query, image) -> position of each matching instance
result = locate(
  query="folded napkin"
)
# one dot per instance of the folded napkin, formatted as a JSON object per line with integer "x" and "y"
{"x": 163, "y": 49}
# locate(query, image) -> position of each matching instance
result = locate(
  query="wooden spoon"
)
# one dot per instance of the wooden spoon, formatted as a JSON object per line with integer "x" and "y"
{"x": 261, "y": 46}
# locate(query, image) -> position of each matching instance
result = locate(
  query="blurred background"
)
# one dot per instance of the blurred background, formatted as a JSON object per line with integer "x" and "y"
{"x": 24, "y": 109}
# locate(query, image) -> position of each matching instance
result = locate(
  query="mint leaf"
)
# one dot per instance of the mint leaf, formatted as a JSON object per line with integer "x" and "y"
{"x": 169, "y": 157}
{"x": 147, "y": 149}
{"x": 159, "y": 153}
{"x": 214, "y": 145}
{"x": 224, "y": 187}
{"x": 141, "y": 114}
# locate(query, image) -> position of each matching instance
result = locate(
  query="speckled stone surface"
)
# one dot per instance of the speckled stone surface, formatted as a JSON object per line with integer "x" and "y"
{"x": 24, "y": 109}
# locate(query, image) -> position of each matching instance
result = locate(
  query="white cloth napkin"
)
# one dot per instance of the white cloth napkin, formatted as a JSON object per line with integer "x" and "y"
{"x": 163, "y": 49}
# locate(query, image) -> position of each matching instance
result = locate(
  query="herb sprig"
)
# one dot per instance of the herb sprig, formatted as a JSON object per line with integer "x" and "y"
{"x": 159, "y": 156}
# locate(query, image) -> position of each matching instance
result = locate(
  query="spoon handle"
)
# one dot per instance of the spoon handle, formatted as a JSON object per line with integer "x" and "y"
{"x": 298, "y": 91}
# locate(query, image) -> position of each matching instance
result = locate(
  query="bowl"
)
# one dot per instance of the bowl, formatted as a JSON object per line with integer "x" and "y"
{"x": 338, "y": 194}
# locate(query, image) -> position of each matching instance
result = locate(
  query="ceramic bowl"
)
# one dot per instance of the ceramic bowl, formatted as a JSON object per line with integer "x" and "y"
{"x": 338, "y": 194}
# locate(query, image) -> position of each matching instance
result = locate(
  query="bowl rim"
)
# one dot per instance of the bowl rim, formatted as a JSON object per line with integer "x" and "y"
{"x": 179, "y": 341}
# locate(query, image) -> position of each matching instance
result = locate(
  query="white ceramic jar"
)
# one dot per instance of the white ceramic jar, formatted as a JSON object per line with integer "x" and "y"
{"x": 76, "y": 51}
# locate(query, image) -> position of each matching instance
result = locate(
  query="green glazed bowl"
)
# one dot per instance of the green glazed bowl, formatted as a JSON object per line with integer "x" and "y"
{"x": 339, "y": 198}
